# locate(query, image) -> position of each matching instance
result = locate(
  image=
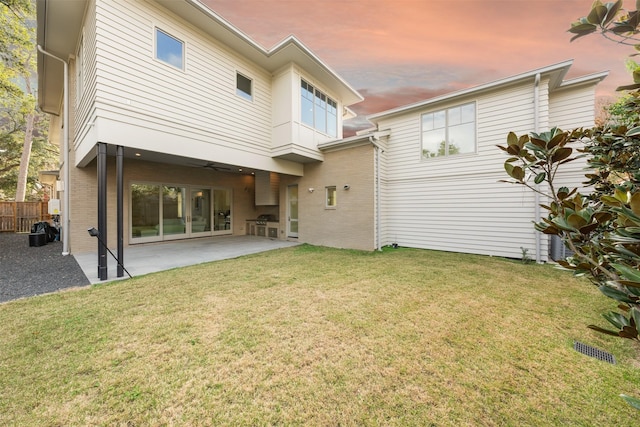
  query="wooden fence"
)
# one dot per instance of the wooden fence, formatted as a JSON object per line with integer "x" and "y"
{"x": 18, "y": 217}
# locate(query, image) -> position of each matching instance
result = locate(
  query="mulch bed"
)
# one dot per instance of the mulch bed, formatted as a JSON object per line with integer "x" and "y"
{"x": 33, "y": 270}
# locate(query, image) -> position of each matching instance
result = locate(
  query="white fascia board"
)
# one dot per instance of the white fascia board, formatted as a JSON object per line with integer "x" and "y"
{"x": 557, "y": 71}
{"x": 345, "y": 142}
{"x": 594, "y": 78}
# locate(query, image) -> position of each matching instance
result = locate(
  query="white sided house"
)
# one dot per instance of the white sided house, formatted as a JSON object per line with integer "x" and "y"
{"x": 173, "y": 124}
{"x": 441, "y": 167}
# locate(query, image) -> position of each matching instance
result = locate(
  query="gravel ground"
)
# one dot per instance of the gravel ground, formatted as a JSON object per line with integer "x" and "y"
{"x": 33, "y": 270}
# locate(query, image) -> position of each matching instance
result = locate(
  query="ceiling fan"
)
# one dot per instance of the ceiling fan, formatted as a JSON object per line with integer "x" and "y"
{"x": 212, "y": 165}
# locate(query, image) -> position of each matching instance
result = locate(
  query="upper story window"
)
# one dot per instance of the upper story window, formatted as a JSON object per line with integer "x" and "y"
{"x": 244, "y": 87}
{"x": 449, "y": 132}
{"x": 169, "y": 49}
{"x": 318, "y": 110}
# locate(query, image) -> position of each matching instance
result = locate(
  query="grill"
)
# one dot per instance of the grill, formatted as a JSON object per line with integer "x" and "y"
{"x": 263, "y": 219}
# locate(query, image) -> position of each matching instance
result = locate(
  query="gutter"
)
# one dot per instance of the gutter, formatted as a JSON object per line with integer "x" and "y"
{"x": 536, "y": 129}
{"x": 65, "y": 154}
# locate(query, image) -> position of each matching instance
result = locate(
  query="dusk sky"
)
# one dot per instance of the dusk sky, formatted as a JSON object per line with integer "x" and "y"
{"x": 395, "y": 52}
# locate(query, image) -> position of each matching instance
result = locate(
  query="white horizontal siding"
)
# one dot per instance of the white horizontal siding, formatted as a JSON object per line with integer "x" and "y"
{"x": 573, "y": 107}
{"x": 457, "y": 203}
{"x": 201, "y": 98}
{"x": 474, "y": 215}
{"x": 82, "y": 113}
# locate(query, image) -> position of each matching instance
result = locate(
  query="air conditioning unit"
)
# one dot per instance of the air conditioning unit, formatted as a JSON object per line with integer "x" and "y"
{"x": 558, "y": 250}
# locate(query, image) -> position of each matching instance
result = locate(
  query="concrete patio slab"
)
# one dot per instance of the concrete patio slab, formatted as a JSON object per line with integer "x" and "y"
{"x": 153, "y": 257}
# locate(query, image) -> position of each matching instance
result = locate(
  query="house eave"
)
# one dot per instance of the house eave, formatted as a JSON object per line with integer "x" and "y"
{"x": 53, "y": 15}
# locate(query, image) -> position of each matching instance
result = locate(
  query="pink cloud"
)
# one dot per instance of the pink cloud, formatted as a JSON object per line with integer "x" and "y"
{"x": 408, "y": 48}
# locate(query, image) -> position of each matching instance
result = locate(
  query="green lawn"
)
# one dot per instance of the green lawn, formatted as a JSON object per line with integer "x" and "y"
{"x": 316, "y": 336}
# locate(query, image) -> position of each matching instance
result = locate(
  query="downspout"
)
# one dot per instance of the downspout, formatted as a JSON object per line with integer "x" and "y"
{"x": 536, "y": 129}
{"x": 65, "y": 154}
{"x": 377, "y": 184}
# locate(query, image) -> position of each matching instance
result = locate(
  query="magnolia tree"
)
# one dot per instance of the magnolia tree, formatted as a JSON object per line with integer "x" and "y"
{"x": 601, "y": 226}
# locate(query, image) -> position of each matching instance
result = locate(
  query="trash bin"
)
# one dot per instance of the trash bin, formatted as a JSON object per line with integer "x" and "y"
{"x": 37, "y": 239}
{"x": 45, "y": 228}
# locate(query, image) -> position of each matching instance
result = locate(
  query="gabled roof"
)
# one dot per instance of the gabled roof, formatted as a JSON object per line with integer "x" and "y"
{"x": 59, "y": 23}
{"x": 555, "y": 73}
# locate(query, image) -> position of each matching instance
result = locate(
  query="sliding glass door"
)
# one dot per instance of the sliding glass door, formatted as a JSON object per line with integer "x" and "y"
{"x": 174, "y": 212}
{"x": 145, "y": 212}
{"x": 200, "y": 211}
{"x": 222, "y": 211}
{"x": 165, "y": 212}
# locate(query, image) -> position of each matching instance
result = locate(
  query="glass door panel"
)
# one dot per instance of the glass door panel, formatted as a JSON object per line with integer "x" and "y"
{"x": 221, "y": 211}
{"x": 292, "y": 208}
{"x": 173, "y": 212}
{"x": 200, "y": 210}
{"x": 145, "y": 212}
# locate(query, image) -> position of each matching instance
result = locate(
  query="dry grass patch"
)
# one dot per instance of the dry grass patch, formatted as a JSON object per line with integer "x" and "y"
{"x": 316, "y": 336}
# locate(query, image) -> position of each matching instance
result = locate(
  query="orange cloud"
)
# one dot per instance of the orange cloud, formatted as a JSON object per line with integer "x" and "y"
{"x": 420, "y": 47}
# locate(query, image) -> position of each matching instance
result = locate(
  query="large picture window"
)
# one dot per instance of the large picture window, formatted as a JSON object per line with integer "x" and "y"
{"x": 449, "y": 132}
{"x": 318, "y": 110}
{"x": 169, "y": 49}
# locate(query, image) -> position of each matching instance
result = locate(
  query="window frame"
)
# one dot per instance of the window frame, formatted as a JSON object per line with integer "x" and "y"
{"x": 240, "y": 92}
{"x": 446, "y": 112}
{"x": 330, "y": 202}
{"x": 324, "y": 109}
{"x": 156, "y": 31}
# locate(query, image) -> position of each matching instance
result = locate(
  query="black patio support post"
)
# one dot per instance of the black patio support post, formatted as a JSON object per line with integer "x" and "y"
{"x": 120, "y": 207}
{"x": 102, "y": 210}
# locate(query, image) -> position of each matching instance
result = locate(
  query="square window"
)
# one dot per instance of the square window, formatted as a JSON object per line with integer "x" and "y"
{"x": 243, "y": 87}
{"x": 169, "y": 49}
{"x": 449, "y": 132}
{"x": 331, "y": 197}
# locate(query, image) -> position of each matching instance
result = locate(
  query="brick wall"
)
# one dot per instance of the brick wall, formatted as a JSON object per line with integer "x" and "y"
{"x": 351, "y": 223}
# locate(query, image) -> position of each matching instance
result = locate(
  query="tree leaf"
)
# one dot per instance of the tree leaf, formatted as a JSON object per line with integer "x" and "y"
{"x": 633, "y": 131}
{"x": 634, "y": 203}
{"x": 616, "y": 319}
{"x": 603, "y": 331}
{"x": 598, "y": 14}
{"x": 627, "y": 272}
{"x": 615, "y": 294}
{"x": 515, "y": 172}
{"x": 635, "y": 315}
{"x": 540, "y": 177}
{"x": 631, "y": 401}
{"x": 610, "y": 201}
{"x": 576, "y": 221}
{"x": 561, "y": 154}
{"x": 628, "y": 332}
{"x": 613, "y": 9}
{"x": 589, "y": 228}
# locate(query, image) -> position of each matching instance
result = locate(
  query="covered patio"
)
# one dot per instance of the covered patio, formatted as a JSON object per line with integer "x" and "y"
{"x": 150, "y": 258}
